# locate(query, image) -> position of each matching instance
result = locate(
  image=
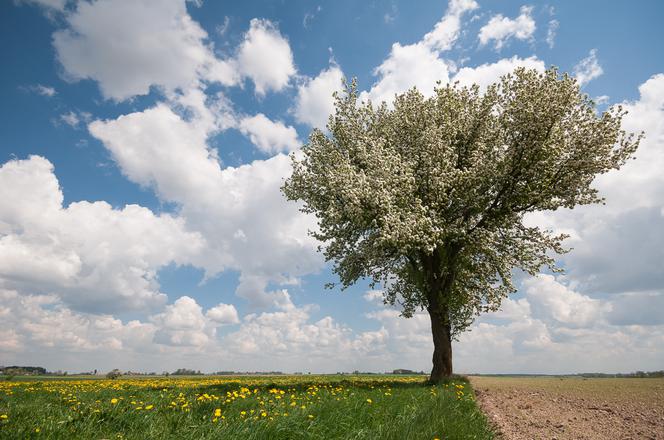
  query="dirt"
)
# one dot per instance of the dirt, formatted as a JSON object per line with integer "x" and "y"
{"x": 527, "y": 408}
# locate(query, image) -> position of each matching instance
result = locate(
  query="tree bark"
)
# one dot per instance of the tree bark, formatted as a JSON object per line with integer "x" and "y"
{"x": 442, "y": 346}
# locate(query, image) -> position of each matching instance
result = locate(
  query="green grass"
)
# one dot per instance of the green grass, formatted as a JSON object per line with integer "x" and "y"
{"x": 294, "y": 407}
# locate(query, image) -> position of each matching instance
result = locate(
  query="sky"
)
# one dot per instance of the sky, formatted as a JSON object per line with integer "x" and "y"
{"x": 143, "y": 144}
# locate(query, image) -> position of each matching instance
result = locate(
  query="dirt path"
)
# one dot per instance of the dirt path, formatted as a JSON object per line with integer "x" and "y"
{"x": 573, "y": 408}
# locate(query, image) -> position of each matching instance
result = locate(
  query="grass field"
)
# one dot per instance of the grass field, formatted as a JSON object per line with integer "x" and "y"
{"x": 267, "y": 407}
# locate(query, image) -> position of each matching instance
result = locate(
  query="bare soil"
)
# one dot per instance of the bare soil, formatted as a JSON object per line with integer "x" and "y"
{"x": 528, "y": 408}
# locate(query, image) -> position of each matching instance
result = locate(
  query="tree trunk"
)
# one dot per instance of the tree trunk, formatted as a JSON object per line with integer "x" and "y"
{"x": 442, "y": 346}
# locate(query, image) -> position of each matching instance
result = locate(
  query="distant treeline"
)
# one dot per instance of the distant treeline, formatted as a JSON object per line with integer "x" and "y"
{"x": 588, "y": 375}
{"x": 16, "y": 370}
{"x": 635, "y": 374}
{"x": 40, "y": 371}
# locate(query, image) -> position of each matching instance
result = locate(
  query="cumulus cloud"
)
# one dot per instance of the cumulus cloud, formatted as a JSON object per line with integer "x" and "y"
{"x": 486, "y": 74}
{"x": 287, "y": 338}
{"x": 551, "y": 300}
{"x": 551, "y": 329}
{"x": 500, "y": 29}
{"x": 100, "y": 43}
{"x": 42, "y": 322}
{"x": 90, "y": 255}
{"x": 265, "y": 57}
{"x": 247, "y": 224}
{"x": 588, "y": 68}
{"x": 269, "y": 136}
{"x": 183, "y": 324}
{"x": 419, "y": 64}
{"x": 223, "y": 314}
{"x": 314, "y": 102}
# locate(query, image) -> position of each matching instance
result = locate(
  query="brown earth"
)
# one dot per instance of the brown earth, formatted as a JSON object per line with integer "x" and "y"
{"x": 528, "y": 408}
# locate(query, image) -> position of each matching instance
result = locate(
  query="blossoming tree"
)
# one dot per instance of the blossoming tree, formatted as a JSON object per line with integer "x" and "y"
{"x": 427, "y": 197}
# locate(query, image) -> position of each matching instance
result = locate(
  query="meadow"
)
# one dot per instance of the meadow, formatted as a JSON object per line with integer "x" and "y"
{"x": 242, "y": 407}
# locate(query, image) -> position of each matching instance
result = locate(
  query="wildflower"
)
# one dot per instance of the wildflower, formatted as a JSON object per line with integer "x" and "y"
{"x": 149, "y": 407}
{"x": 217, "y": 412}
{"x": 311, "y": 416}
{"x": 37, "y": 430}
{"x": 369, "y": 401}
{"x": 4, "y": 416}
{"x": 114, "y": 401}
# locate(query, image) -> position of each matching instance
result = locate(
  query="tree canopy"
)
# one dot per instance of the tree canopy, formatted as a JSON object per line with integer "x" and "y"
{"x": 427, "y": 197}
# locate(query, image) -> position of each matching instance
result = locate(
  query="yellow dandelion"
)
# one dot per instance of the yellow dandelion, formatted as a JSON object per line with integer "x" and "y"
{"x": 369, "y": 401}
{"x": 149, "y": 407}
{"x": 311, "y": 416}
{"x": 114, "y": 401}
{"x": 217, "y": 412}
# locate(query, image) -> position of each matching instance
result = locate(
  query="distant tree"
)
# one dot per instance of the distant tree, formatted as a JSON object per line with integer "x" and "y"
{"x": 113, "y": 374}
{"x": 428, "y": 198}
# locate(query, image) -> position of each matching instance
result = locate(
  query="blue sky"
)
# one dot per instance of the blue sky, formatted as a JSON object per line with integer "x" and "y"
{"x": 142, "y": 146}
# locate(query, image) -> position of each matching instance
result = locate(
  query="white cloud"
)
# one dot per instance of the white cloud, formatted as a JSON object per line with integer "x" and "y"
{"x": 183, "y": 324}
{"x": 314, "y": 102}
{"x": 554, "y": 322}
{"x": 588, "y": 68}
{"x": 127, "y": 47}
{"x": 269, "y": 136}
{"x": 247, "y": 224}
{"x": 409, "y": 66}
{"x": 445, "y": 32}
{"x": 308, "y": 16}
{"x": 223, "y": 314}
{"x": 289, "y": 339}
{"x": 42, "y": 323}
{"x": 551, "y": 33}
{"x": 500, "y": 29}
{"x": 93, "y": 257}
{"x": 222, "y": 28}
{"x": 373, "y": 296}
{"x": 419, "y": 64}
{"x": 550, "y": 299}
{"x": 75, "y": 118}
{"x": 486, "y": 74}
{"x": 44, "y": 90}
{"x": 265, "y": 57}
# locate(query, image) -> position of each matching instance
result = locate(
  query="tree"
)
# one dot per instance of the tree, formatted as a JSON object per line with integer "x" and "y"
{"x": 113, "y": 374}
{"x": 427, "y": 199}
